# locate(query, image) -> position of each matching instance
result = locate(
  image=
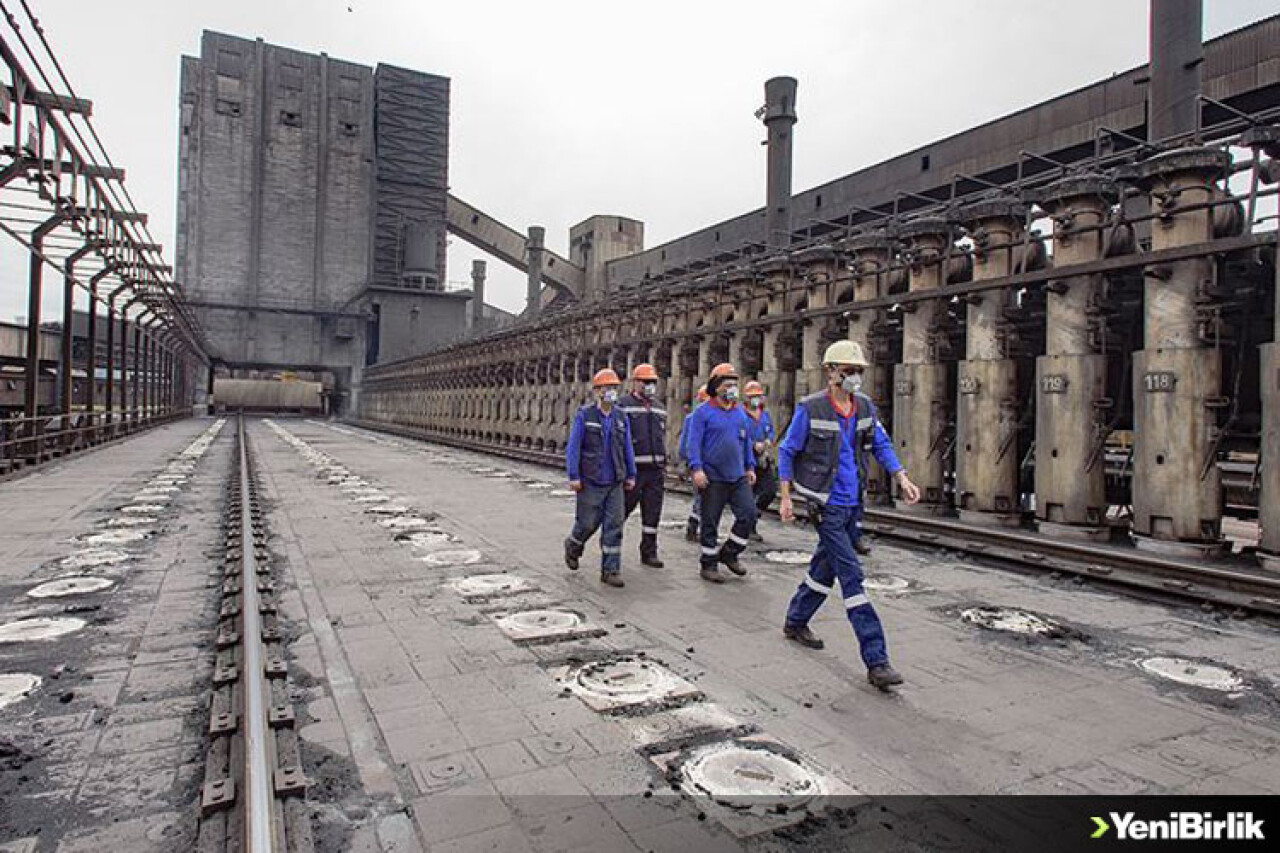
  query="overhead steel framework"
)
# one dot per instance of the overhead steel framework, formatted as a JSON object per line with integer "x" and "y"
{"x": 64, "y": 200}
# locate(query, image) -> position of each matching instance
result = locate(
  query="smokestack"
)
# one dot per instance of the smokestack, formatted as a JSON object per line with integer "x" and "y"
{"x": 779, "y": 117}
{"x": 1177, "y": 52}
{"x": 477, "y": 293}
{"x": 533, "y": 296}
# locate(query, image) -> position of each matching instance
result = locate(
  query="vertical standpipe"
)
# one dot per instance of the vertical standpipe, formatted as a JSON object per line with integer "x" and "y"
{"x": 1173, "y": 99}
{"x": 477, "y": 292}
{"x": 779, "y": 118}
{"x": 535, "y": 249}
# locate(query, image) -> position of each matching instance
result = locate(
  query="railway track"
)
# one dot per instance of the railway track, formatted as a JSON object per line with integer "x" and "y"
{"x": 252, "y": 799}
{"x": 1225, "y": 583}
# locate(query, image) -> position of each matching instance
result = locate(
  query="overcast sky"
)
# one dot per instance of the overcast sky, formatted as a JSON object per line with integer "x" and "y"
{"x": 565, "y": 109}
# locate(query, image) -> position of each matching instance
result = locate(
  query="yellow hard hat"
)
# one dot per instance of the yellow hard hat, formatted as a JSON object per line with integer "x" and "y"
{"x": 846, "y": 352}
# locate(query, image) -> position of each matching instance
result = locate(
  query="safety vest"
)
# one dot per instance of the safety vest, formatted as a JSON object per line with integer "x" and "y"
{"x": 648, "y": 430}
{"x": 815, "y": 466}
{"x": 591, "y": 456}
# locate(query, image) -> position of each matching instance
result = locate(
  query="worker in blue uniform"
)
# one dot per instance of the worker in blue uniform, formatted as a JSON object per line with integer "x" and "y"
{"x": 695, "y": 508}
{"x": 601, "y": 466}
{"x": 823, "y": 459}
{"x": 724, "y": 470}
{"x": 764, "y": 445}
{"x": 647, "y": 420}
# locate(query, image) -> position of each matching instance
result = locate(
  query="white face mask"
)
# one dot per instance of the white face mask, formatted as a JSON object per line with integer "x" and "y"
{"x": 650, "y": 389}
{"x": 730, "y": 394}
{"x": 609, "y": 395}
{"x": 852, "y": 383}
{"x": 756, "y": 402}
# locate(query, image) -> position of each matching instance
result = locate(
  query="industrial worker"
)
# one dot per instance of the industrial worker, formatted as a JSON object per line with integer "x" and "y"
{"x": 724, "y": 470}
{"x": 763, "y": 444}
{"x": 823, "y": 459}
{"x": 601, "y": 466}
{"x": 647, "y": 422}
{"x": 695, "y": 508}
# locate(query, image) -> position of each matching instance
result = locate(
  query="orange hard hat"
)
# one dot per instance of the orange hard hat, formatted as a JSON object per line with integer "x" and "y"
{"x": 724, "y": 370}
{"x": 605, "y": 377}
{"x": 753, "y": 389}
{"x": 703, "y": 396}
{"x": 644, "y": 373}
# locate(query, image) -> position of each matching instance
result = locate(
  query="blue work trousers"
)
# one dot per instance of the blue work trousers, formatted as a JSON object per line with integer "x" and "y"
{"x": 835, "y": 559}
{"x": 738, "y": 496}
{"x": 599, "y": 505}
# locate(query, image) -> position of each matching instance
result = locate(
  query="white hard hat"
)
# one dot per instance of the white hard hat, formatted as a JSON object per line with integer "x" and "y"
{"x": 845, "y": 352}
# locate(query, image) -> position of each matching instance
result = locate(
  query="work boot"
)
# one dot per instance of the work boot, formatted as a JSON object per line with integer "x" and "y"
{"x": 570, "y": 556}
{"x": 862, "y": 546}
{"x": 802, "y": 635}
{"x": 711, "y": 574}
{"x": 883, "y": 676}
{"x": 612, "y": 579}
{"x": 652, "y": 561}
{"x": 691, "y": 532}
{"x": 755, "y": 537}
{"x": 732, "y": 564}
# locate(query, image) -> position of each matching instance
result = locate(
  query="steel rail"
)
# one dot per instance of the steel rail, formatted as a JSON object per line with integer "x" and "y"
{"x": 259, "y": 823}
{"x": 1222, "y": 584}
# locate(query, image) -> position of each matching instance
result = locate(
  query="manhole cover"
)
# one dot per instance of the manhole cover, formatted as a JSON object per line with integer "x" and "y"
{"x": 114, "y": 537}
{"x": 426, "y": 540}
{"x": 92, "y": 558}
{"x": 886, "y": 583}
{"x": 531, "y": 626}
{"x": 791, "y": 558}
{"x": 389, "y": 509}
{"x": 1012, "y": 621}
{"x": 610, "y": 685}
{"x": 459, "y": 557}
{"x": 140, "y": 509}
{"x": 69, "y": 586}
{"x": 405, "y": 522}
{"x": 15, "y": 686}
{"x": 39, "y": 628}
{"x": 485, "y": 586}
{"x": 132, "y": 521}
{"x": 1193, "y": 673}
{"x": 744, "y": 776}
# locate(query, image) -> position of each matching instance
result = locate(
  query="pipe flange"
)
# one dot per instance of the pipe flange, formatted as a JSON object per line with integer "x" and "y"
{"x": 774, "y": 264}
{"x": 924, "y": 227}
{"x": 982, "y": 211}
{"x": 1088, "y": 185}
{"x": 1212, "y": 162}
{"x": 872, "y": 241}
{"x": 814, "y": 255}
{"x": 1264, "y": 136}
{"x": 739, "y": 275}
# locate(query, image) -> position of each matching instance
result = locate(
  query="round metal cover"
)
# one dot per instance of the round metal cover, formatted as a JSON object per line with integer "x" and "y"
{"x": 886, "y": 583}
{"x": 405, "y": 523}
{"x": 142, "y": 508}
{"x": 115, "y": 537}
{"x": 626, "y": 679}
{"x": 39, "y": 628}
{"x": 70, "y": 586}
{"x": 791, "y": 558}
{"x": 1011, "y": 621}
{"x": 15, "y": 686}
{"x": 389, "y": 509}
{"x": 745, "y": 776}
{"x": 131, "y": 521}
{"x": 541, "y": 620}
{"x": 459, "y": 557}
{"x": 491, "y": 585}
{"x": 1193, "y": 673}
{"x": 93, "y": 558}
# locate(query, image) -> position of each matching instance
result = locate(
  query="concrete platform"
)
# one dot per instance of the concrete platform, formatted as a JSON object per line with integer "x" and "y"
{"x": 429, "y": 728}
